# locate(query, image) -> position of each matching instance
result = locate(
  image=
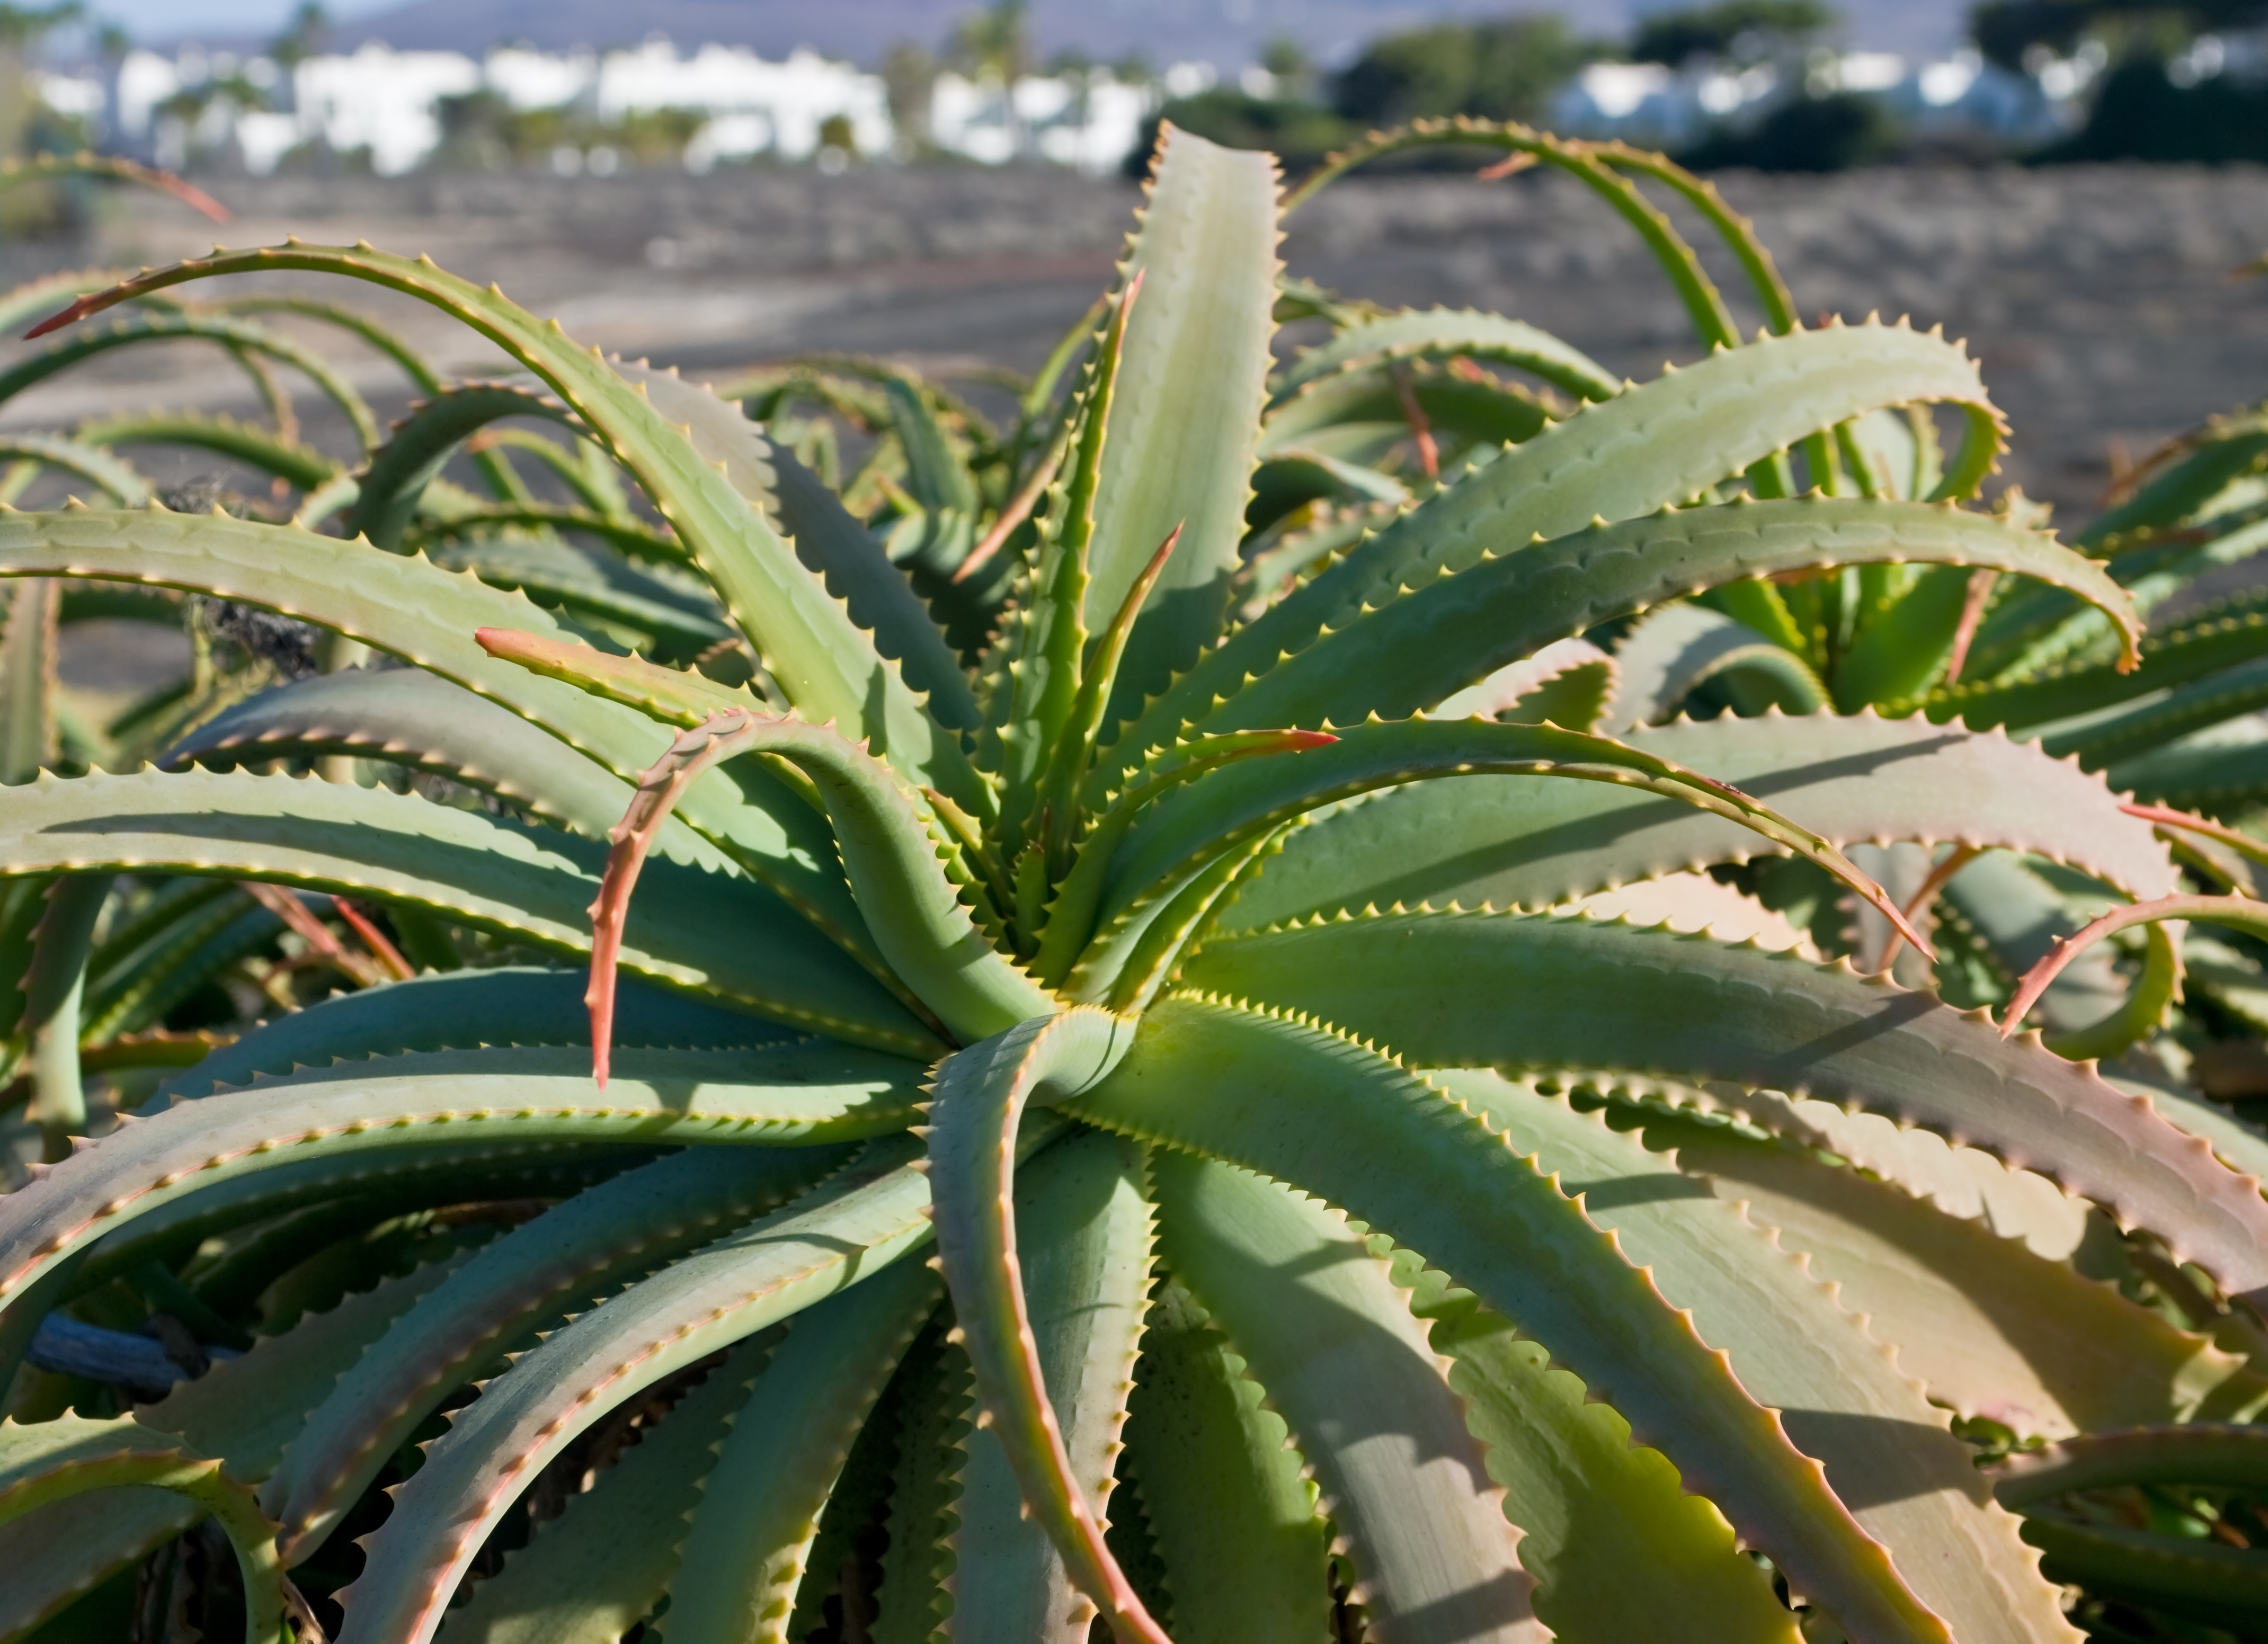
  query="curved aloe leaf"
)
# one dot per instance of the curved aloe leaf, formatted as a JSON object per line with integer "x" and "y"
{"x": 1303, "y": 1104}
{"x": 1186, "y": 415}
{"x": 1991, "y": 1328}
{"x": 28, "y": 634}
{"x": 822, "y": 658}
{"x": 1516, "y": 842}
{"x": 594, "y": 1573}
{"x": 51, "y": 1461}
{"x": 1612, "y": 1538}
{"x": 390, "y": 486}
{"x": 2124, "y": 732}
{"x": 1224, "y": 1493}
{"x": 300, "y": 466}
{"x": 1328, "y": 1334}
{"x": 1695, "y": 428}
{"x": 1566, "y": 992}
{"x": 82, "y": 458}
{"x": 802, "y": 1094}
{"x": 847, "y": 1230}
{"x": 1674, "y": 650}
{"x": 975, "y": 1114}
{"x": 1420, "y": 647}
{"x": 889, "y": 849}
{"x": 408, "y": 716}
{"x": 1441, "y": 331}
{"x": 578, "y": 1249}
{"x": 1083, "y": 1223}
{"x": 1187, "y": 830}
{"x": 534, "y": 883}
{"x": 429, "y": 617}
{"x": 512, "y": 1005}
{"x": 240, "y": 336}
{"x": 1888, "y": 1452}
{"x": 16, "y": 173}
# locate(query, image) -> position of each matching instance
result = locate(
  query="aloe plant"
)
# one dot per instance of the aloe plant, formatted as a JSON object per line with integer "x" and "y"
{"x": 1144, "y": 1063}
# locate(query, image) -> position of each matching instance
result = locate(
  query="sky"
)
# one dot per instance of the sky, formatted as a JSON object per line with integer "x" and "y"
{"x": 1914, "y": 27}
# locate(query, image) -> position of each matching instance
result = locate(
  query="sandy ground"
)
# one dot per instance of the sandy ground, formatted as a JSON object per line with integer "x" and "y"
{"x": 2099, "y": 300}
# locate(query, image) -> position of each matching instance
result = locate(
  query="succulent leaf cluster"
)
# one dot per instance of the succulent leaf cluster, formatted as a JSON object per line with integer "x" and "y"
{"x": 1305, "y": 995}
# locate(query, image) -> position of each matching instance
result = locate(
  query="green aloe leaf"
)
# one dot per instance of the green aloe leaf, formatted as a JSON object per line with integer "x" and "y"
{"x": 1673, "y": 650}
{"x": 978, "y": 1105}
{"x": 300, "y": 466}
{"x": 27, "y": 679}
{"x": 579, "y": 1249}
{"x": 1083, "y": 1226}
{"x": 1422, "y": 332}
{"x": 1425, "y": 643}
{"x": 592, "y": 1575}
{"x": 534, "y": 884}
{"x": 1990, "y": 1327}
{"x": 82, "y": 459}
{"x": 1352, "y": 1127}
{"x": 742, "y": 1563}
{"x": 1695, "y": 428}
{"x": 803, "y": 1094}
{"x": 1225, "y": 1492}
{"x": 390, "y": 486}
{"x": 1325, "y": 1331}
{"x": 1186, "y": 415}
{"x": 850, "y": 1228}
{"x": 51, "y": 1461}
{"x": 1568, "y": 992}
{"x": 825, "y": 663}
{"x": 1510, "y": 841}
{"x": 429, "y": 617}
{"x": 1887, "y": 1451}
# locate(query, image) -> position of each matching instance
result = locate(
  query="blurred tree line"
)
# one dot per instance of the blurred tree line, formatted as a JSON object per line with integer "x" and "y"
{"x": 2160, "y": 81}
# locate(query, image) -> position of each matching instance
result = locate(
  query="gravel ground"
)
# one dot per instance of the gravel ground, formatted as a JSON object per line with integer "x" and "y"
{"x": 2099, "y": 299}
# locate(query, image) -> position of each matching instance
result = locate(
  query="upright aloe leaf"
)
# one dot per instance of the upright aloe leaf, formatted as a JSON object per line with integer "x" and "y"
{"x": 1187, "y": 413}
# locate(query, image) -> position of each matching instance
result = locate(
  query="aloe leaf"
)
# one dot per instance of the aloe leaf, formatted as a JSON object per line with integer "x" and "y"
{"x": 1563, "y": 992}
{"x": 580, "y": 1248}
{"x": 1352, "y": 1128}
{"x": 807, "y": 1093}
{"x": 392, "y": 483}
{"x": 1328, "y": 1334}
{"x": 1084, "y": 1226}
{"x": 1351, "y": 422}
{"x": 54, "y": 992}
{"x": 27, "y": 672}
{"x": 888, "y": 850}
{"x": 2235, "y": 913}
{"x": 2216, "y": 770}
{"x": 240, "y": 337}
{"x": 592, "y": 1575}
{"x": 1990, "y": 1327}
{"x": 83, "y": 458}
{"x": 826, "y": 539}
{"x": 596, "y": 589}
{"x": 16, "y": 172}
{"x": 1226, "y": 1495}
{"x": 2020, "y": 919}
{"x": 512, "y": 1005}
{"x": 2234, "y": 633}
{"x": 1415, "y": 333}
{"x": 1190, "y": 828}
{"x": 428, "y": 617}
{"x": 1047, "y": 643}
{"x": 55, "y": 1554}
{"x": 1515, "y": 842}
{"x": 406, "y": 716}
{"x": 2125, "y": 732}
{"x": 740, "y": 1567}
{"x": 909, "y": 1595}
{"x": 1888, "y": 1451}
{"x": 2196, "y": 468}
{"x": 850, "y": 1228}
{"x": 299, "y": 466}
{"x": 979, "y": 1095}
{"x": 827, "y": 665}
{"x": 1420, "y": 647}
{"x": 1186, "y": 417}
{"x": 1613, "y": 1540}
{"x": 51, "y": 1461}
{"x": 1694, "y": 428}
{"x": 532, "y": 884}
{"x": 1674, "y": 649}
